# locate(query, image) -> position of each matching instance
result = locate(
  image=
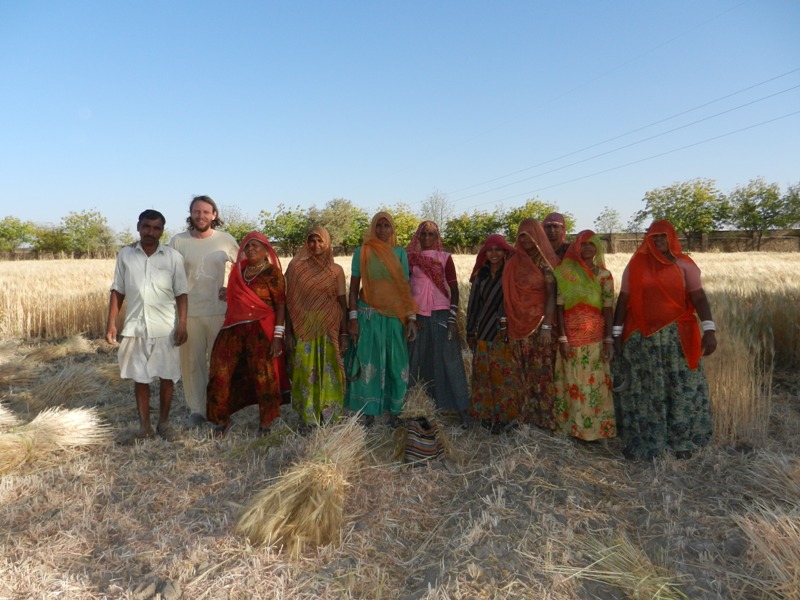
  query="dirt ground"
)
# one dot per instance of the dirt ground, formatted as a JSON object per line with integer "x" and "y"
{"x": 524, "y": 514}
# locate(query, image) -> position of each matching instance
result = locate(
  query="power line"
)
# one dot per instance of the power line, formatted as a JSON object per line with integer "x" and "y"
{"x": 627, "y": 133}
{"x": 641, "y": 160}
{"x": 613, "y": 150}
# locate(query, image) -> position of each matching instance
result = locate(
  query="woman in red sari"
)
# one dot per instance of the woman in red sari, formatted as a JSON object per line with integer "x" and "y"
{"x": 665, "y": 407}
{"x": 529, "y": 297}
{"x": 246, "y": 361}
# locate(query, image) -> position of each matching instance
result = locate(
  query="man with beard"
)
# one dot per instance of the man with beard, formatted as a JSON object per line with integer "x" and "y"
{"x": 152, "y": 278}
{"x": 205, "y": 253}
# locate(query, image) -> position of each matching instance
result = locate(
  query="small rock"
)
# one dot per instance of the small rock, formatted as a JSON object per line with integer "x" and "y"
{"x": 145, "y": 591}
{"x": 170, "y": 590}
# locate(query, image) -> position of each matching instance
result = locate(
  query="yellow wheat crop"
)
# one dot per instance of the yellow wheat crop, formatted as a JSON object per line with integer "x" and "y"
{"x": 754, "y": 298}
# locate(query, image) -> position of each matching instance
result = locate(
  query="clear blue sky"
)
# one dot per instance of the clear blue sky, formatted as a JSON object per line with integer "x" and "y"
{"x": 121, "y": 106}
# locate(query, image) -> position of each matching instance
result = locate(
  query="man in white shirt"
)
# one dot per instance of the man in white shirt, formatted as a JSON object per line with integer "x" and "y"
{"x": 206, "y": 253}
{"x": 152, "y": 278}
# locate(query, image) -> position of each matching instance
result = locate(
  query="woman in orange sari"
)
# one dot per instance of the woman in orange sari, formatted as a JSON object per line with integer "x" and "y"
{"x": 246, "y": 360}
{"x": 529, "y": 299}
{"x": 665, "y": 407}
{"x": 382, "y": 319}
{"x": 316, "y": 330}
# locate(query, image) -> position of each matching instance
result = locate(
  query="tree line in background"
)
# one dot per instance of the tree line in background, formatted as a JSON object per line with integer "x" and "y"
{"x": 694, "y": 207}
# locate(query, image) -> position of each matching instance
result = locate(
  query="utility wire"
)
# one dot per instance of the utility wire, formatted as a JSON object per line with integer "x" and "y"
{"x": 627, "y": 133}
{"x": 641, "y": 160}
{"x": 641, "y": 141}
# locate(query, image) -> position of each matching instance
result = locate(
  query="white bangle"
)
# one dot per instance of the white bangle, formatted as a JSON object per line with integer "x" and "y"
{"x": 563, "y": 340}
{"x": 280, "y": 328}
{"x": 708, "y": 326}
{"x": 616, "y": 330}
{"x": 353, "y": 315}
{"x": 546, "y": 327}
{"x": 412, "y": 317}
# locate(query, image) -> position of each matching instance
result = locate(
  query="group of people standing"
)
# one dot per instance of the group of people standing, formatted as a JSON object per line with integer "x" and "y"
{"x": 544, "y": 334}
{"x": 540, "y": 324}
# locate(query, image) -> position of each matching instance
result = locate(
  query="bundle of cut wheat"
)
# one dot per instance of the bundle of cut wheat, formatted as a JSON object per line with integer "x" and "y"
{"x": 305, "y": 505}
{"x": 7, "y": 418}
{"x": 52, "y": 430}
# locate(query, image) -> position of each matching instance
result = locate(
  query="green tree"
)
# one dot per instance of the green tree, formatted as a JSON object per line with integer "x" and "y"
{"x": 14, "y": 233}
{"x": 693, "y": 207}
{"x": 608, "y": 221}
{"x": 757, "y": 207}
{"x": 236, "y": 222}
{"x": 87, "y": 233}
{"x": 406, "y": 222}
{"x": 51, "y": 239}
{"x": 532, "y": 208}
{"x": 287, "y": 228}
{"x": 344, "y": 221}
{"x": 468, "y": 231}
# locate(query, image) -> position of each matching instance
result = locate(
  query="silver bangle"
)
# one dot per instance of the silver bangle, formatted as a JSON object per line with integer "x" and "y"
{"x": 353, "y": 315}
{"x": 546, "y": 327}
{"x": 708, "y": 326}
{"x": 616, "y": 330}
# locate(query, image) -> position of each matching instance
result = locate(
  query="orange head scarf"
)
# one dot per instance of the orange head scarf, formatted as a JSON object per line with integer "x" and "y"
{"x": 524, "y": 281}
{"x": 384, "y": 283}
{"x": 311, "y": 291}
{"x": 493, "y": 241}
{"x": 657, "y": 293}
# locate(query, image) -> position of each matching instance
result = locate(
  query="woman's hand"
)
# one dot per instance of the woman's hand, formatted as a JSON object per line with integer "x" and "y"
{"x": 472, "y": 341}
{"x": 276, "y": 348}
{"x": 608, "y": 351}
{"x": 452, "y": 330}
{"x": 564, "y": 349}
{"x": 344, "y": 342}
{"x": 222, "y": 294}
{"x": 411, "y": 330}
{"x": 352, "y": 328}
{"x": 709, "y": 342}
{"x": 544, "y": 337}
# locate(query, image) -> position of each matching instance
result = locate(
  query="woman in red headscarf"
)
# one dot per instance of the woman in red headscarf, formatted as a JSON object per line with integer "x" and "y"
{"x": 529, "y": 299}
{"x": 665, "y": 406}
{"x": 495, "y": 399}
{"x": 246, "y": 360}
{"x": 584, "y": 307}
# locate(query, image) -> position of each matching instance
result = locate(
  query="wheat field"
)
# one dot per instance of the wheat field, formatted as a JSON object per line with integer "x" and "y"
{"x": 522, "y": 515}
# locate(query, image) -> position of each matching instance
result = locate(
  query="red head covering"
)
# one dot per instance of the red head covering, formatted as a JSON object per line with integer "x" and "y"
{"x": 657, "y": 293}
{"x": 430, "y": 265}
{"x": 493, "y": 241}
{"x": 524, "y": 284}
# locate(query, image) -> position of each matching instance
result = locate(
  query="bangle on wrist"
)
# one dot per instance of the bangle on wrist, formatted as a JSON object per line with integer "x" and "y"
{"x": 608, "y": 340}
{"x": 563, "y": 340}
{"x": 353, "y": 314}
{"x": 616, "y": 331}
{"x": 708, "y": 326}
{"x": 546, "y": 327}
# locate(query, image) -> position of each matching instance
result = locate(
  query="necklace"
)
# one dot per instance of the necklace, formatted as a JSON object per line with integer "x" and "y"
{"x": 255, "y": 270}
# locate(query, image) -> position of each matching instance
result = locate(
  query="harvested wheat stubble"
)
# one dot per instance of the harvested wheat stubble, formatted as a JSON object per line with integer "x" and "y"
{"x": 305, "y": 506}
{"x": 76, "y": 344}
{"x": 51, "y": 431}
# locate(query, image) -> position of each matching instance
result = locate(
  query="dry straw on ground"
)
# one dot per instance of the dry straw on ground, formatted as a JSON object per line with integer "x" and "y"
{"x": 305, "y": 506}
{"x": 51, "y": 431}
{"x": 497, "y": 524}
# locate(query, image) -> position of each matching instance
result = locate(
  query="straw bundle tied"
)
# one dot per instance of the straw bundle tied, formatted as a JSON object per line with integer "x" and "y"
{"x": 52, "y": 430}
{"x": 625, "y": 566}
{"x": 305, "y": 506}
{"x": 77, "y": 344}
{"x": 71, "y": 384}
{"x": 7, "y": 418}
